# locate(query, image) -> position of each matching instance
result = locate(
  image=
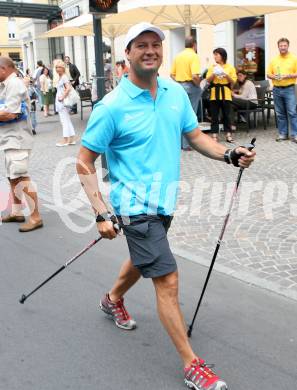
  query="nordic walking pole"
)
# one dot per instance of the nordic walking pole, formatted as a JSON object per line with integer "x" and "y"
{"x": 249, "y": 147}
{"x": 24, "y": 297}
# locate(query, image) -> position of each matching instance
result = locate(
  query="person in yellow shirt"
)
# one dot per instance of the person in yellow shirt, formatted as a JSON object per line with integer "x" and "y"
{"x": 221, "y": 77}
{"x": 186, "y": 71}
{"x": 282, "y": 71}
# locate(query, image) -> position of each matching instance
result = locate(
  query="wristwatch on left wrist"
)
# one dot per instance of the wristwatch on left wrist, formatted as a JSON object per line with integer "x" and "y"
{"x": 227, "y": 156}
{"x": 103, "y": 217}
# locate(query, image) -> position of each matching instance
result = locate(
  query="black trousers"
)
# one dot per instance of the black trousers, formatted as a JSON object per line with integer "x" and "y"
{"x": 217, "y": 106}
{"x": 240, "y": 104}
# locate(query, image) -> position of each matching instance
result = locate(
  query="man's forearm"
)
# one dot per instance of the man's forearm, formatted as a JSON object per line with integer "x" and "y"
{"x": 89, "y": 183}
{"x": 196, "y": 80}
{"x": 290, "y": 76}
{"x": 6, "y": 116}
{"x": 88, "y": 178}
{"x": 206, "y": 145}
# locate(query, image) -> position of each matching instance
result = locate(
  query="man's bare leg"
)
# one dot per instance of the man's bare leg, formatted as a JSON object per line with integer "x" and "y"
{"x": 23, "y": 186}
{"x": 16, "y": 207}
{"x": 171, "y": 317}
{"x": 128, "y": 276}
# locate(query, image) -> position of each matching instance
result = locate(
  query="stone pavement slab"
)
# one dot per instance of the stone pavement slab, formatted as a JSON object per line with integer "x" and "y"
{"x": 260, "y": 243}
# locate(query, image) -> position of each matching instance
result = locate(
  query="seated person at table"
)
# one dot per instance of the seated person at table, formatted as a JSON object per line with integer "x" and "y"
{"x": 244, "y": 95}
{"x": 245, "y": 92}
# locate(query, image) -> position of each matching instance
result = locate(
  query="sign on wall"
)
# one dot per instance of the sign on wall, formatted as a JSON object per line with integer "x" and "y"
{"x": 70, "y": 13}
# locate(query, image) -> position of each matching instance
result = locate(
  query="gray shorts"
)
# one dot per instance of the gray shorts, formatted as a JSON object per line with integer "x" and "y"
{"x": 148, "y": 245}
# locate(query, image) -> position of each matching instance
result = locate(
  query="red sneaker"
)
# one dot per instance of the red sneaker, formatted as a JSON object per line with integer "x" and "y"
{"x": 117, "y": 312}
{"x": 200, "y": 377}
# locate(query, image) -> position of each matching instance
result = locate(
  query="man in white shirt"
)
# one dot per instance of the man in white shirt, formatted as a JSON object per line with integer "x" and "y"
{"x": 16, "y": 140}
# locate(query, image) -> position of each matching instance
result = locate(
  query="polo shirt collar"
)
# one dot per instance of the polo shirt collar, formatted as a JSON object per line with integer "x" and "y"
{"x": 133, "y": 90}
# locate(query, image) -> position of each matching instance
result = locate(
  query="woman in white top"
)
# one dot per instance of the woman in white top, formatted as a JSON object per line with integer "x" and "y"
{"x": 246, "y": 92}
{"x": 46, "y": 87}
{"x": 244, "y": 97}
{"x": 63, "y": 88}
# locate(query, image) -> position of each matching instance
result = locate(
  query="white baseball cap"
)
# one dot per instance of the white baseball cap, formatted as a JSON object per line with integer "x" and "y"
{"x": 139, "y": 28}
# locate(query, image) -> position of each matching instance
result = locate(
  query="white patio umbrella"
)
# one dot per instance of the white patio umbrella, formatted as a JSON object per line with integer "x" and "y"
{"x": 83, "y": 26}
{"x": 192, "y": 12}
{"x": 80, "y": 26}
{"x": 169, "y": 14}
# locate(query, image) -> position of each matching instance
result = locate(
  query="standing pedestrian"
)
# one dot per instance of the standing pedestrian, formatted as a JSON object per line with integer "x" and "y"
{"x": 36, "y": 79}
{"x": 73, "y": 73}
{"x": 55, "y": 82}
{"x": 282, "y": 71}
{"x": 107, "y": 75}
{"x": 46, "y": 88}
{"x": 186, "y": 71}
{"x": 139, "y": 126}
{"x": 16, "y": 140}
{"x": 63, "y": 89}
{"x": 221, "y": 77}
{"x": 33, "y": 101}
{"x": 123, "y": 69}
{"x": 28, "y": 73}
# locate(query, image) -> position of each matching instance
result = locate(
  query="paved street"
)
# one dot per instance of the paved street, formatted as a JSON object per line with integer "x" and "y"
{"x": 59, "y": 340}
{"x": 260, "y": 242}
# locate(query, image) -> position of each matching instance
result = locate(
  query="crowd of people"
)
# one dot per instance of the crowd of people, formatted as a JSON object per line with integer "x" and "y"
{"x": 48, "y": 87}
{"x": 139, "y": 127}
{"x": 228, "y": 90}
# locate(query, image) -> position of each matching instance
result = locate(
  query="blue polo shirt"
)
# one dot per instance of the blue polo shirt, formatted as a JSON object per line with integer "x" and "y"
{"x": 142, "y": 141}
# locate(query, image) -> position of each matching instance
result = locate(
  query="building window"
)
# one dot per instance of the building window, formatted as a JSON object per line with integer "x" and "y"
{"x": 250, "y": 46}
{"x": 14, "y": 56}
{"x": 11, "y": 28}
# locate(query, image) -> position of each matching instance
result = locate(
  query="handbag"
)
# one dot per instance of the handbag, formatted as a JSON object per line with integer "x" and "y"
{"x": 72, "y": 98}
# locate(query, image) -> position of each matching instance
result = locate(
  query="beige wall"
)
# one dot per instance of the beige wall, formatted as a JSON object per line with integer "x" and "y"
{"x": 282, "y": 24}
{"x": 4, "y": 51}
{"x": 8, "y": 46}
{"x": 3, "y": 31}
{"x": 205, "y": 45}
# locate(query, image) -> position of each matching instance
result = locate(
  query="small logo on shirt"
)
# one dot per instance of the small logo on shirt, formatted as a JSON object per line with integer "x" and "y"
{"x": 175, "y": 108}
{"x": 129, "y": 117}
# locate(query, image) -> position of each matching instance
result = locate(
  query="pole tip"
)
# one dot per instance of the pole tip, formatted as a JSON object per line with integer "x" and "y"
{"x": 189, "y": 333}
{"x": 23, "y": 298}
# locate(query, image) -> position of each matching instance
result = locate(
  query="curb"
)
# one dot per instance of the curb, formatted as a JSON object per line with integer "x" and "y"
{"x": 243, "y": 276}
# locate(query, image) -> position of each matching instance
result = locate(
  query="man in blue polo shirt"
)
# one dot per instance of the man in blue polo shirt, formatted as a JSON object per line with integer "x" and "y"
{"x": 139, "y": 125}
